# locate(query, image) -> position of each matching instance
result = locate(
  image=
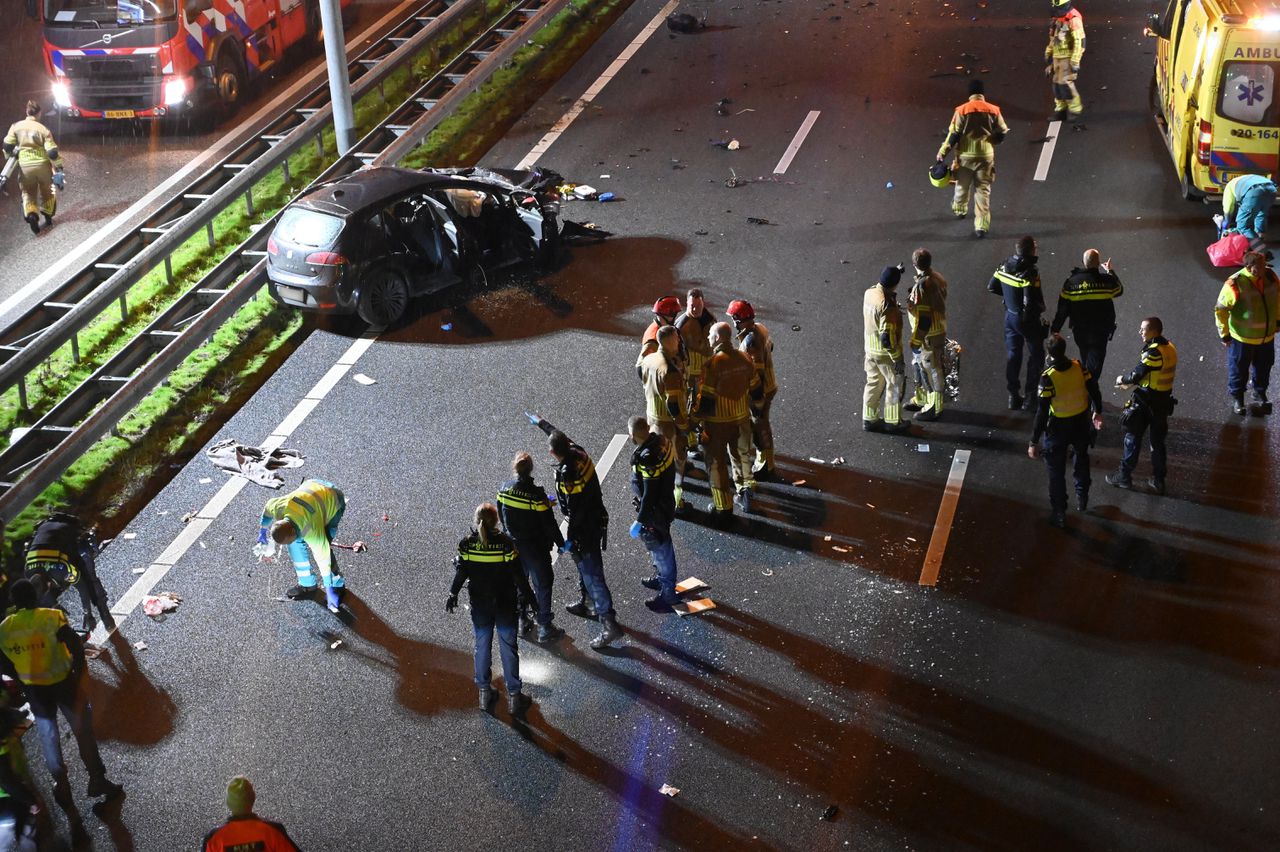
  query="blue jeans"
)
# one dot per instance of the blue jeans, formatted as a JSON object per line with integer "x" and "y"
{"x": 1242, "y": 358}
{"x": 1133, "y": 448}
{"x": 485, "y": 621}
{"x": 662, "y": 551}
{"x": 1251, "y": 215}
{"x": 1013, "y": 343}
{"x": 591, "y": 570}
{"x": 1062, "y": 436}
{"x": 537, "y": 567}
{"x": 66, "y": 696}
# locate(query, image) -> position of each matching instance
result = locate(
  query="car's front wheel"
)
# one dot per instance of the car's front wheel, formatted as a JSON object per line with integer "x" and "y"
{"x": 383, "y": 298}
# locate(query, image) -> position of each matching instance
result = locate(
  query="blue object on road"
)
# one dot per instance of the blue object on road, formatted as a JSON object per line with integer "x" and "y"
{"x": 447, "y": 327}
{"x": 533, "y": 418}
{"x": 635, "y": 529}
{"x": 605, "y": 196}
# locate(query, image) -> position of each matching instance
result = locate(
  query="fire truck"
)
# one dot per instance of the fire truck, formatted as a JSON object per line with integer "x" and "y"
{"x": 148, "y": 59}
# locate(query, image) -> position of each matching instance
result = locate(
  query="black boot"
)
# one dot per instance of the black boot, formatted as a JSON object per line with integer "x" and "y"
{"x": 48, "y": 220}
{"x": 1015, "y": 402}
{"x": 518, "y": 703}
{"x": 1119, "y": 480}
{"x": 1157, "y": 485}
{"x": 487, "y": 697}
{"x": 651, "y": 582}
{"x": 34, "y": 221}
{"x": 609, "y": 632}
{"x": 582, "y": 609}
{"x": 1237, "y": 405}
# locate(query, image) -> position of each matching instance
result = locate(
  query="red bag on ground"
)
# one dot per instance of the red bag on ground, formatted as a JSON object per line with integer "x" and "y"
{"x": 1229, "y": 251}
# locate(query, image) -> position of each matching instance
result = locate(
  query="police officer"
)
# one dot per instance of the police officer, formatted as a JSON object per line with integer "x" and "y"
{"x": 653, "y": 465}
{"x": 1063, "y": 54}
{"x": 927, "y": 313}
{"x": 666, "y": 404}
{"x": 1067, "y": 393}
{"x": 488, "y": 565}
{"x": 43, "y": 653}
{"x": 1087, "y": 301}
{"x": 61, "y": 553}
{"x": 41, "y": 166}
{"x": 582, "y": 503}
{"x": 307, "y": 517}
{"x": 1246, "y": 202}
{"x": 1017, "y": 281}
{"x": 694, "y": 323}
{"x": 976, "y": 127}
{"x": 1150, "y": 406}
{"x": 1248, "y": 316}
{"x": 883, "y": 360}
{"x": 527, "y": 517}
{"x": 754, "y": 339}
{"x": 724, "y": 408}
{"x": 245, "y": 830}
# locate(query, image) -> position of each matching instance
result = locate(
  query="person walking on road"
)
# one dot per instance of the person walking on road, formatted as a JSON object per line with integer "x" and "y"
{"x": 666, "y": 405}
{"x": 62, "y": 554}
{"x": 43, "y": 653}
{"x": 582, "y": 503}
{"x": 724, "y": 408}
{"x": 527, "y": 517}
{"x": 487, "y": 563}
{"x": 754, "y": 340}
{"x": 976, "y": 128}
{"x": 927, "y": 313}
{"x": 306, "y": 520}
{"x": 1246, "y": 203}
{"x": 1087, "y": 302}
{"x": 1248, "y": 316}
{"x": 1067, "y": 393}
{"x": 694, "y": 323}
{"x": 653, "y": 466}
{"x": 245, "y": 830}
{"x": 883, "y": 360}
{"x": 1149, "y": 407}
{"x": 1063, "y": 54}
{"x": 41, "y": 166}
{"x": 1017, "y": 281}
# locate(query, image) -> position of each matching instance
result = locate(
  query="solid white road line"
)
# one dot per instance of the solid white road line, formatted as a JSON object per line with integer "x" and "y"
{"x": 946, "y": 516}
{"x": 1046, "y": 153}
{"x": 590, "y": 94}
{"x": 790, "y": 153}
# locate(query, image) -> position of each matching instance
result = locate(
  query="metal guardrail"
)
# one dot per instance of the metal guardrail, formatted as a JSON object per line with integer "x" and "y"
{"x": 114, "y": 389}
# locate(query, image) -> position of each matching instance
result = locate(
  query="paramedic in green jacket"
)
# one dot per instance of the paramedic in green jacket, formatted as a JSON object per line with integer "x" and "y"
{"x": 306, "y": 519}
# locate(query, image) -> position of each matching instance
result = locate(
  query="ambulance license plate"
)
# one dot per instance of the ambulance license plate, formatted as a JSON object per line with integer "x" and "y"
{"x": 119, "y": 113}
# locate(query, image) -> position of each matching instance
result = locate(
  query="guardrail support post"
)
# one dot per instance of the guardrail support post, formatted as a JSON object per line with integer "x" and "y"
{"x": 284, "y": 168}
{"x": 209, "y": 230}
{"x": 168, "y": 268}
{"x": 124, "y": 307}
{"x": 248, "y": 200}
{"x": 75, "y": 347}
{"x": 22, "y": 393}
{"x": 335, "y": 51}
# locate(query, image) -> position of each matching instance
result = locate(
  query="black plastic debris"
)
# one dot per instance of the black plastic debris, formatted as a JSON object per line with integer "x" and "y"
{"x": 683, "y": 22}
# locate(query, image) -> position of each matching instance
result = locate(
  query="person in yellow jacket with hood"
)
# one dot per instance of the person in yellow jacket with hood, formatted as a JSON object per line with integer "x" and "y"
{"x": 1062, "y": 55}
{"x": 1248, "y": 315}
{"x": 40, "y": 163}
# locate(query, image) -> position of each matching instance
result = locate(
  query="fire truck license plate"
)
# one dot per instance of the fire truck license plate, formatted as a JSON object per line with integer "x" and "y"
{"x": 119, "y": 113}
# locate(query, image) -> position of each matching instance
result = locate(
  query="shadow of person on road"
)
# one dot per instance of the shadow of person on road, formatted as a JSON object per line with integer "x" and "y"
{"x": 127, "y": 706}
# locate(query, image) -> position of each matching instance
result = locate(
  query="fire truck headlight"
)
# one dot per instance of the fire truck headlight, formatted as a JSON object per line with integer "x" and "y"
{"x": 175, "y": 91}
{"x": 61, "y": 94}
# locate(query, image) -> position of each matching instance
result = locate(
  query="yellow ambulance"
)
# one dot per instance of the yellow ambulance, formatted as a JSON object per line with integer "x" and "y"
{"x": 1214, "y": 92}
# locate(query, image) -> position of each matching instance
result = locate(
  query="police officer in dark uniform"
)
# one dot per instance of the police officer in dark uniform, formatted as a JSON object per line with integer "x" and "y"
{"x": 1067, "y": 393}
{"x": 579, "y": 490}
{"x": 488, "y": 564}
{"x": 1087, "y": 302}
{"x": 653, "y": 466}
{"x": 61, "y": 555}
{"x": 1149, "y": 407}
{"x": 527, "y": 517}
{"x": 1017, "y": 280}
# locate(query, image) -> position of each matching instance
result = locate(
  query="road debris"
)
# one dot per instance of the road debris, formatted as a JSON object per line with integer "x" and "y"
{"x": 356, "y": 547}
{"x": 254, "y": 463}
{"x": 721, "y": 104}
{"x": 838, "y": 460}
{"x": 140, "y": 645}
{"x": 768, "y": 572}
{"x": 693, "y": 607}
{"x": 668, "y": 790}
{"x": 922, "y": 448}
{"x": 448, "y": 326}
{"x": 690, "y": 585}
{"x": 361, "y": 378}
{"x": 158, "y": 605}
{"x": 838, "y": 549}
{"x": 132, "y": 536}
{"x": 830, "y": 813}
{"x": 727, "y": 144}
{"x": 683, "y": 22}
{"x": 756, "y": 220}
{"x": 141, "y": 570}
{"x": 205, "y": 480}
{"x": 817, "y": 460}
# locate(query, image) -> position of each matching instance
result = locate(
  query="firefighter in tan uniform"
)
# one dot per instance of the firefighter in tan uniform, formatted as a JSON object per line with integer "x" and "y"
{"x": 976, "y": 127}
{"x": 666, "y": 405}
{"x": 40, "y": 164}
{"x": 754, "y": 340}
{"x": 725, "y": 413}
{"x": 882, "y": 319}
{"x": 1063, "y": 54}
{"x": 927, "y": 312}
{"x": 695, "y": 322}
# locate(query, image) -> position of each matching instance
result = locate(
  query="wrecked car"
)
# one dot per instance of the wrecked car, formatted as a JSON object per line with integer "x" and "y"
{"x": 372, "y": 241}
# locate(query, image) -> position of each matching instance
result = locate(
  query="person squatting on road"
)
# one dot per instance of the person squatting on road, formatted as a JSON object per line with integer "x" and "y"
{"x": 1087, "y": 302}
{"x": 723, "y": 406}
{"x": 487, "y": 564}
{"x": 1149, "y": 407}
{"x": 756, "y": 342}
{"x": 927, "y": 314}
{"x": 61, "y": 555}
{"x": 976, "y": 128}
{"x": 883, "y": 361}
{"x": 665, "y": 402}
{"x": 245, "y": 830}
{"x": 1067, "y": 393}
{"x": 40, "y": 164}
{"x": 1063, "y": 54}
{"x": 1246, "y": 203}
{"x": 527, "y": 517}
{"x": 43, "y": 653}
{"x": 1248, "y": 316}
{"x": 694, "y": 324}
{"x": 306, "y": 518}
{"x": 1017, "y": 281}
{"x": 653, "y": 465}
{"x": 583, "y": 505}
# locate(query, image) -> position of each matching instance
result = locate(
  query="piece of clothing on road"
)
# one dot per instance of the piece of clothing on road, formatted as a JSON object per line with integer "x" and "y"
{"x": 255, "y": 464}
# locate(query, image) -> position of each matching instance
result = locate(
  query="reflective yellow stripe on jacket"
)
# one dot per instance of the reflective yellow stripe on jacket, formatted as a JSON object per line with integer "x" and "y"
{"x": 1011, "y": 279}
{"x": 477, "y": 552}
{"x": 1066, "y": 390}
{"x": 29, "y": 638}
{"x": 1162, "y": 359}
{"x": 516, "y": 501}
{"x": 586, "y": 470}
{"x": 1244, "y": 312}
{"x": 656, "y": 470}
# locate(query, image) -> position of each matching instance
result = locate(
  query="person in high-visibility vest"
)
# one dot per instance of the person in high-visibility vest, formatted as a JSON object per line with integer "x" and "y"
{"x": 754, "y": 339}
{"x": 1247, "y": 316}
{"x": 653, "y": 465}
{"x": 927, "y": 313}
{"x": 1067, "y": 394}
{"x": 42, "y": 652}
{"x": 977, "y": 126}
{"x": 1087, "y": 303}
{"x": 1063, "y": 54}
{"x": 1017, "y": 282}
{"x": 724, "y": 408}
{"x": 245, "y": 830}
{"x": 1246, "y": 203}
{"x": 1150, "y": 406}
{"x": 666, "y": 405}
{"x": 307, "y": 518}
{"x": 694, "y": 323}
{"x": 883, "y": 359}
{"x": 61, "y": 553}
{"x": 41, "y": 165}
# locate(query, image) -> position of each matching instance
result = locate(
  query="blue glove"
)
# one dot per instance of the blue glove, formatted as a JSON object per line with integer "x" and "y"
{"x": 533, "y": 418}
{"x": 635, "y": 529}
{"x": 60, "y": 180}
{"x": 331, "y": 597}
{"x": 262, "y": 535}
{"x": 567, "y": 547}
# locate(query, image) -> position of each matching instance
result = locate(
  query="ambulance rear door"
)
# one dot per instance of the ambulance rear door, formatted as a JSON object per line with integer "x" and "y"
{"x": 1245, "y": 111}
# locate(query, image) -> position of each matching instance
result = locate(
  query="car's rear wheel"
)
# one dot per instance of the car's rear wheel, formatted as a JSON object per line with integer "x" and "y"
{"x": 383, "y": 298}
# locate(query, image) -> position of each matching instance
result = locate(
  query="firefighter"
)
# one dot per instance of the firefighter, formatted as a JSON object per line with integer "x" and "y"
{"x": 1246, "y": 202}
{"x": 1063, "y": 54}
{"x": 245, "y": 830}
{"x": 756, "y": 342}
{"x": 40, "y": 164}
{"x": 306, "y": 520}
{"x": 666, "y": 403}
{"x": 527, "y": 517}
{"x": 695, "y": 322}
{"x": 62, "y": 554}
{"x": 927, "y": 313}
{"x": 665, "y": 311}
{"x": 1067, "y": 393}
{"x": 882, "y": 322}
{"x": 723, "y": 406}
{"x": 1087, "y": 300}
{"x": 1248, "y": 316}
{"x": 1017, "y": 281}
{"x": 653, "y": 466}
{"x": 976, "y": 128}
{"x": 1149, "y": 407}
